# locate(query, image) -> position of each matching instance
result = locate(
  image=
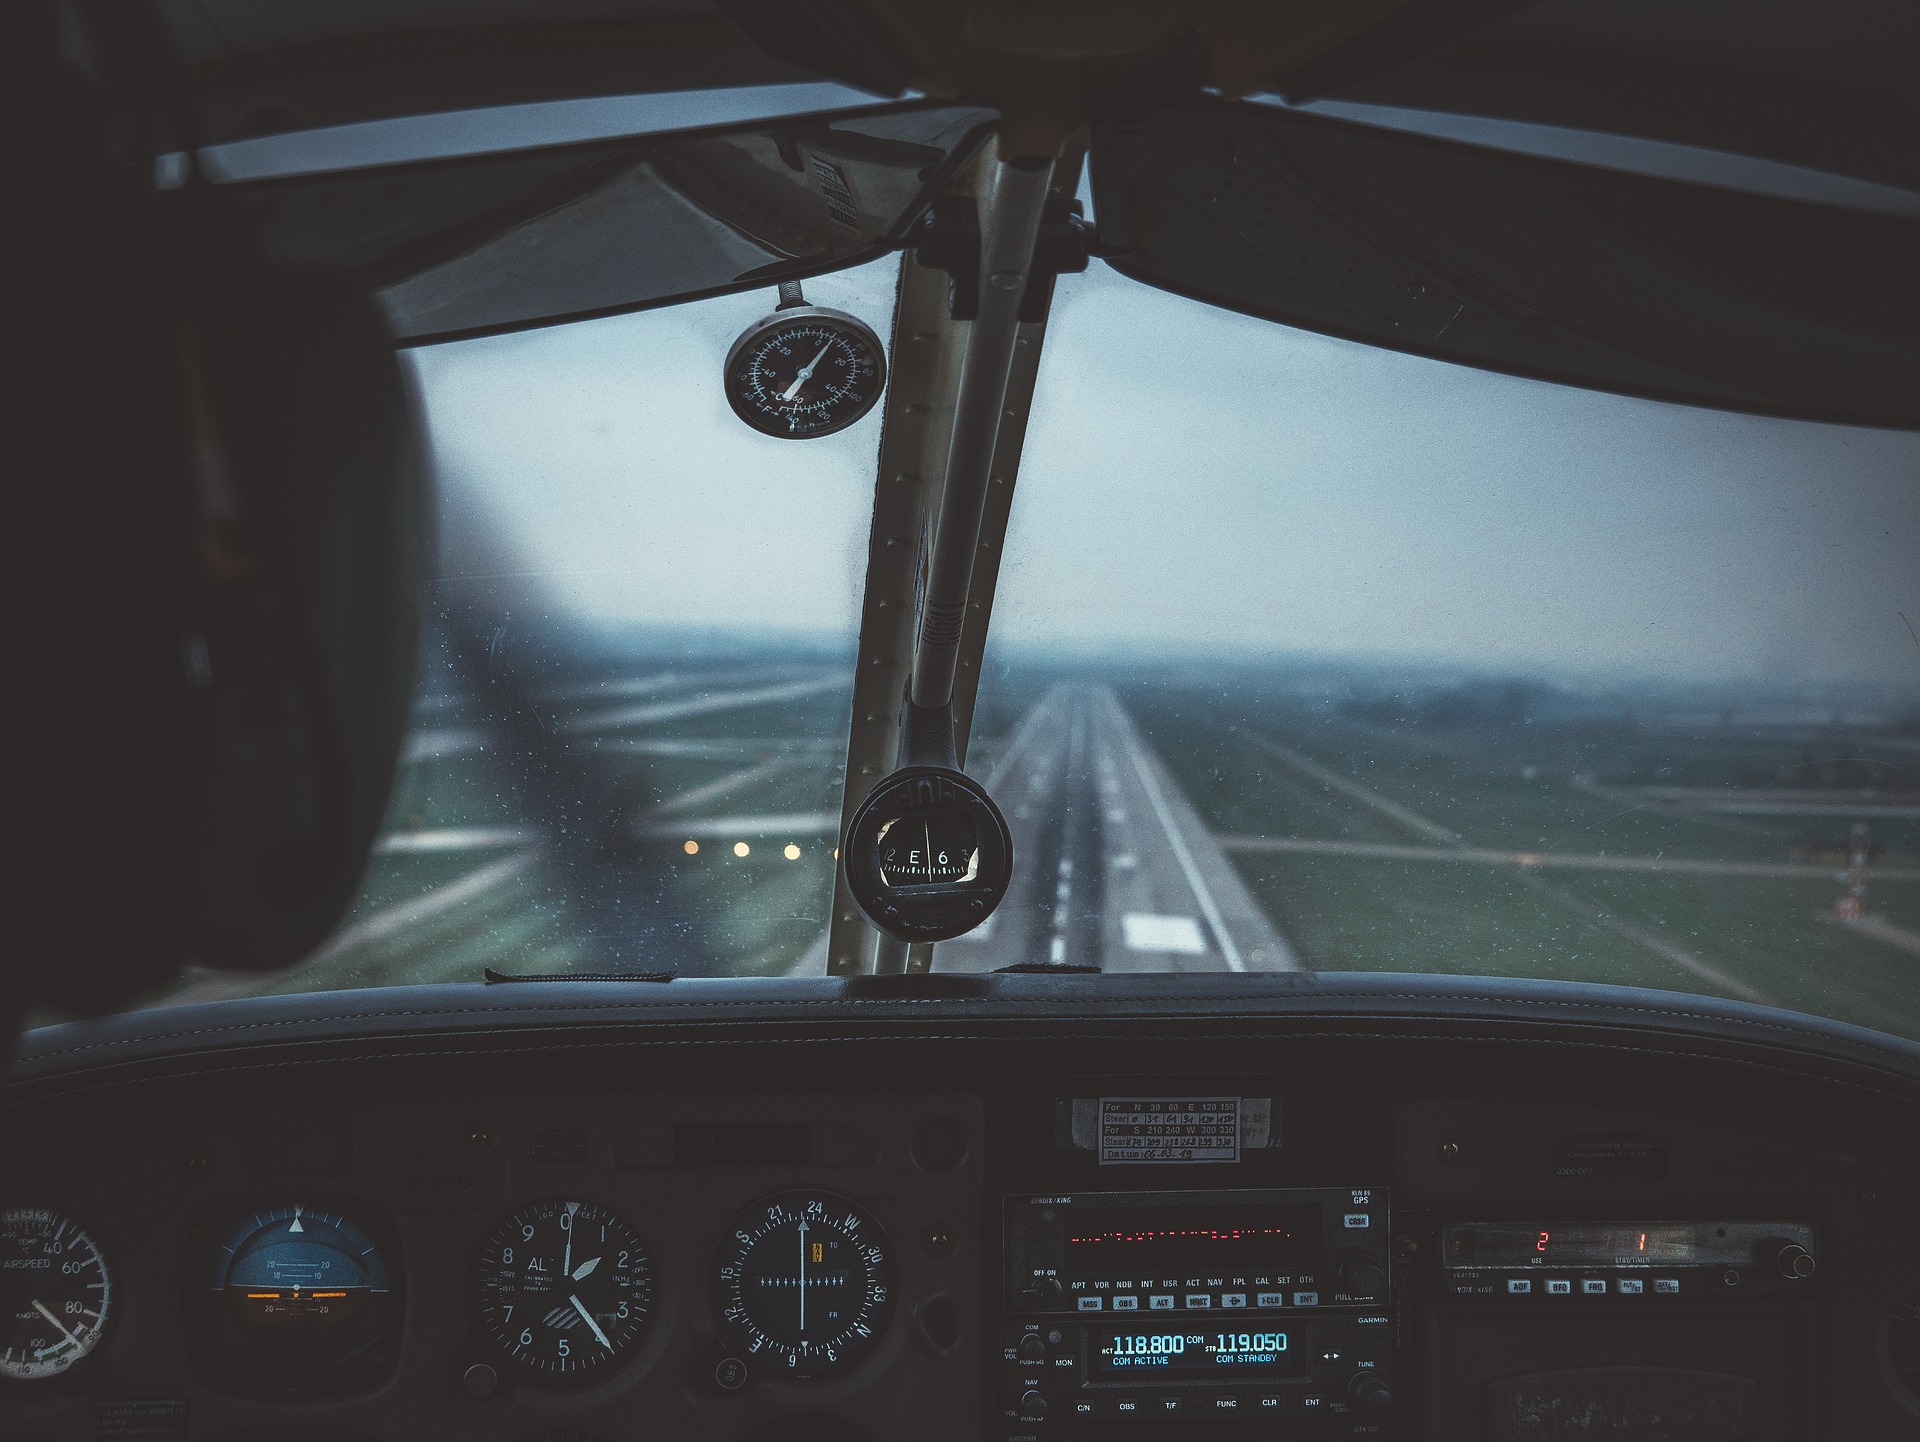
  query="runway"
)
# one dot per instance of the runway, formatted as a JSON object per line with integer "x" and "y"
{"x": 1112, "y": 867}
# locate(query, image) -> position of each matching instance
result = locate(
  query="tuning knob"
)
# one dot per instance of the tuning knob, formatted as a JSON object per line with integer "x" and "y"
{"x": 1033, "y": 1348}
{"x": 1362, "y": 1277}
{"x": 1033, "y": 1406}
{"x": 1046, "y": 1291}
{"x": 1370, "y": 1394}
{"x": 1795, "y": 1262}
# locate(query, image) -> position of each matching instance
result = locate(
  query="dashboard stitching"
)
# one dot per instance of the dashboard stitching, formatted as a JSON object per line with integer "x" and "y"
{"x": 733, "y": 1041}
{"x": 1562, "y": 1008}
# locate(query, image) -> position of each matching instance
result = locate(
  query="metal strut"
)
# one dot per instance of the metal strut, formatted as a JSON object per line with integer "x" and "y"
{"x": 949, "y": 453}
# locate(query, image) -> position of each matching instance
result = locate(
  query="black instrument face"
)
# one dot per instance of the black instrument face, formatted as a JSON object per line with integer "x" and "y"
{"x": 56, "y": 1294}
{"x": 804, "y": 1285}
{"x": 565, "y": 1289}
{"x": 805, "y": 371}
{"x": 297, "y": 1294}
{"x": 928, "y": 855}
{"x": 932, "y": 849}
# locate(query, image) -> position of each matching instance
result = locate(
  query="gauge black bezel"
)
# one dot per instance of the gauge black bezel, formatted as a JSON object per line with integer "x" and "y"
{"x": 886, "y": 1275}
{"x": 521, "y": 1371}
{"x": 852, "y": 325}
{"x": 942, "y": 910}
{"x": 44, "y": 1386}
{"x": 224, "y": 1369}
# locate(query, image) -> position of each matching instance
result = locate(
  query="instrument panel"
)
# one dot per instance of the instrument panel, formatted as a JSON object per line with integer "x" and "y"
{"x": 493, "y": 1268}
{"x": 1018, "y": 1261}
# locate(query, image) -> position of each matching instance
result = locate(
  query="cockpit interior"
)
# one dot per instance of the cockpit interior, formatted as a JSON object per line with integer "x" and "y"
{"x": 962, "y": 721}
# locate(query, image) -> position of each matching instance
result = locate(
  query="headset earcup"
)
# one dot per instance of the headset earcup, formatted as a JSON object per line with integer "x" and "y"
{"x": 97, "y": 551}
{"x": 313, "y": 614}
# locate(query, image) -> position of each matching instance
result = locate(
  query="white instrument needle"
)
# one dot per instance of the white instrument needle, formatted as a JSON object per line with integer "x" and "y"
{"x": 806, "y": 373}
{"x": 803, "y": 1277}
{"x": 41, "y": 1308}
{"x": 592, "y": 1325}
{"x": 585, "y": 1267}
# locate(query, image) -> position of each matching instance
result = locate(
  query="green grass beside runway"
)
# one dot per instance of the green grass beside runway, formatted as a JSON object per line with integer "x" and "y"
{"x": 1357, "y": 913}
{"x": 1342, "y": 914}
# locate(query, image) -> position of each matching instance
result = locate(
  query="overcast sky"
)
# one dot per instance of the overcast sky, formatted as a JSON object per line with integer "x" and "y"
{"x": 1194, "y": 477}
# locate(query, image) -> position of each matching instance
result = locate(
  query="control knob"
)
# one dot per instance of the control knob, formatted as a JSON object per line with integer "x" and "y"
{"x": 1361, "y": 1276}
{"x": 1033, "y": 1406}
{"x": 1046, "y": 1291}
{"x": 1369, "y": 1394}
{"x": 1033, "y": 1348}
{"x": 1795, "y": 1261}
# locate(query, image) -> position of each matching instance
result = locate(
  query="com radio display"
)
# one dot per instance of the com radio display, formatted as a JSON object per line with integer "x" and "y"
{"x": 1122, "y": 1354}
{"x": 1182, "y": 1241}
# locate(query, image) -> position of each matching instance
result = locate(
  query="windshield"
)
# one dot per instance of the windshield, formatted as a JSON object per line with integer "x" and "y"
{"x": 1305, "y": 656}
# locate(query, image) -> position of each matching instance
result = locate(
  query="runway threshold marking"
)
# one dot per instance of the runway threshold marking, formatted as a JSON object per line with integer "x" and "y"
{"x": 1156, "y": 798}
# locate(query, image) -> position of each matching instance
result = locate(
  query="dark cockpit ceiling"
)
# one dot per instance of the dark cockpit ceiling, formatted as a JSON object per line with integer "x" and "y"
{"x": 1821, "y": 83}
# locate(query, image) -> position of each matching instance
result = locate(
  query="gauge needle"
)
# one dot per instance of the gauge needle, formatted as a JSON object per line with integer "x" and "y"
{"x": 41, "y": 1308}
{"x": 803, "y": 1276}
{"x": 592, "y": 1325}
{"x": 586, "y": 1267}
{"x": 566, "y": 1262}
{"x": 806, "y": 373}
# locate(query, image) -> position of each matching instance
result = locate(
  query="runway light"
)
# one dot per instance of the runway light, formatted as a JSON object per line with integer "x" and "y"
{"x": 691, "y": 847}
{"x": 793, "y": 852}
{"x": 740, "y": 848}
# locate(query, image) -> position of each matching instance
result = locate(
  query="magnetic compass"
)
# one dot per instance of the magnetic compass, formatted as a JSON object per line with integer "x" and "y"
{"x": 805, "y": 370}
{"x": 927, "y": 855}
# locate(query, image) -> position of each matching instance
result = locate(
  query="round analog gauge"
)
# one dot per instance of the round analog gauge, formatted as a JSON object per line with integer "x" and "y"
{"x": 301, "y": 1287}
{"x": 927, "y": 855}
{"x": 804, "y": 1285}
{"x": 565, "y": 1289}
{"x": 55, "y": 1294}
{"x": 805, "y": 371}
